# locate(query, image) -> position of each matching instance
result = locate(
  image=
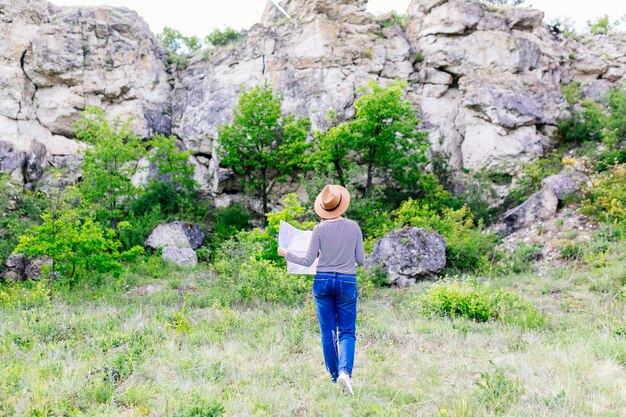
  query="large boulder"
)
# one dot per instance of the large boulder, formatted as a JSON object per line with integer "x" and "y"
{"x": 565, "y": 184}
{"x": 408, "y": 255}
{"x": 15, "y": 267}
{"x": 177, "y": 234}
{"x": 540, "y": 206}
{"x": 180, "y": 256}
{"x": 35, "y": 267}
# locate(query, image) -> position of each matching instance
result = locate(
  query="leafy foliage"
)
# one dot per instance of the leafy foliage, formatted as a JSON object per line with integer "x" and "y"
{"x": 73, "y": 240}
{"x": 177, "y": 43}
{"x": 19, "y": 210}
{"x": 601, "y": 26}
{"x": 332, "y": 148}
{"x": 606, "y": 199}
{"x": 385, "y": 137}
{"x": 468, "y": 247}
{"x": 222, "y": 37}
{"x": 478, "y": 302}
{"x": 267, "y": 238}
{"x": 227, "y": 222}
{"x": 108, "y": 164}
{"x": 532, "y": 173}
{"x": 262, "y": 145}
{"x": 585, "y": 125}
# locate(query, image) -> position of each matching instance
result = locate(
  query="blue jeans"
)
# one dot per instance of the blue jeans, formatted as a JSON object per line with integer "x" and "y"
{"x": 335, "y": 301}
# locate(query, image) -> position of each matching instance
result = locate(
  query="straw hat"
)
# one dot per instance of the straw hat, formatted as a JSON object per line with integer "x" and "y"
{"x": 332, "y": 201}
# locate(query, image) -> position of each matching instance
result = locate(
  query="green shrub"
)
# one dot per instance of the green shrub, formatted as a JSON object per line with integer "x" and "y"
{"x": 524, "y": 256}
{"x": 228, "y": 221}
{"x": 200, "y": 406}
{"x": 222, "y": 37}
{"x": 75, "y": 242}
{"x": 498, "y": 392}
{"x": 24, "y": 296}
{"x": 478, "y": 302}
{"x": 601, "y": 26}
{"x": 244, "y": 276}
{"x": 529, "y": 181}
{"x": 267, "y": 238}
{"x": 606, "y": 199}
{"x": 16, "y": 218}
{"x": 393, "y": 19}
{"x": 582, "y": 126}
{"x": 572, "y": 251}
{"x": 468, "y": 246}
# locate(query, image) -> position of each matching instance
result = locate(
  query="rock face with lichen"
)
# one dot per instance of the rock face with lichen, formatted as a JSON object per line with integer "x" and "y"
{"x": 486, "y": 80}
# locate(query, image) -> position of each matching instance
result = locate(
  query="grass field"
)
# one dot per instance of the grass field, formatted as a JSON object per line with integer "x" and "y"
{"x": 163, "y": 345}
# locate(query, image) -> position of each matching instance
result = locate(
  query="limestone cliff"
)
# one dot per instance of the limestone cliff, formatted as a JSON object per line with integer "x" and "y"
{"x": 487, "y": 81}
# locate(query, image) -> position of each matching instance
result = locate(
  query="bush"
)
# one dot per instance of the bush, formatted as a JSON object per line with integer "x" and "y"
{"x": 479, "y": 302}
{"x": 244, "y": 276}
{"x": 529, "y": 181}
{"x": 75, "y": 242}
{"x": 601, "y": 26}
{"x": 582, "y": 126}
{"x": 606, "y": 199}
{"x": 228, "y": 221}
{"x": 524, "y": 256}
{"x": 222, "y": 37}
{"x": 16, "y": 217}
{"x": 267, "y": 238}
{"x": 468, "y": 246}
{"x": 498, "y": 391}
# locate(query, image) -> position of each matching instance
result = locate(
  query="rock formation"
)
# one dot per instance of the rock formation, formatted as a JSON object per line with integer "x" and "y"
{"x": 408, "y": 255}
{"x": 486, "y": 80}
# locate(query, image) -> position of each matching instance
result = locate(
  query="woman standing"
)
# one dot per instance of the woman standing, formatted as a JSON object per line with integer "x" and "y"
{"x": 339, "y": 244}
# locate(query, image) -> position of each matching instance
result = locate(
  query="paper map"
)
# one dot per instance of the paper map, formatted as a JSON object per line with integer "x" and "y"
{"x": 296, "y": 241}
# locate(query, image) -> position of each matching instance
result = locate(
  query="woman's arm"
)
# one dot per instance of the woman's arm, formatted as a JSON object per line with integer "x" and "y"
{"x": 311, "y": 254}
{"x": 359, "y": 253}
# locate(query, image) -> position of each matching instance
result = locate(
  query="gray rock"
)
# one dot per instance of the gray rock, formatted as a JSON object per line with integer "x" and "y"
{"x": 408, "y": 255}
{"x": 34, "y": 268}
{"x": 540, "y": 206}
{"x": 12, "y": 276}
{"x": 180, "y": 256}
{"x": 178, "y": 234}
{"x": 35, "y": 160}
{"x": 11, "y": 158}
{"x": 565, "y": 184}
{"x": 15, "y": 267}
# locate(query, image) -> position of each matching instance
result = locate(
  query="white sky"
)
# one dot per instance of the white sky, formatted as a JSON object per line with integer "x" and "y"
{"x": 194, "y": 17}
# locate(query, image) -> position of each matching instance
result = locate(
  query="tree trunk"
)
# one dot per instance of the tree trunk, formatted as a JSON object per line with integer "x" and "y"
{"x": 370, "y": 168}
{"x": 264, "y": 187}
{"x": 339, "y": 170}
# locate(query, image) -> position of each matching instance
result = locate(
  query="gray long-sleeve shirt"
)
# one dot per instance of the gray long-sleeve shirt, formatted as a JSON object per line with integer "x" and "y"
{"x": 339, "y": 244}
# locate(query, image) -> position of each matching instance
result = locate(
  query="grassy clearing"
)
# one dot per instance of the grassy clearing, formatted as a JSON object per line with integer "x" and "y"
{"x": 166, "y": 346}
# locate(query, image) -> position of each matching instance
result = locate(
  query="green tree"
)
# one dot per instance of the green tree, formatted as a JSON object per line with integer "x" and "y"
{"x": 177, "y": 43}
{"x": 108, "y": 165}
{"x": 19, "y": 210}
{"x": 262, "y": 145}
{"x": 71, "y": 239}
{"x": 385, "y": 136}
{"x": 332, "y": 148}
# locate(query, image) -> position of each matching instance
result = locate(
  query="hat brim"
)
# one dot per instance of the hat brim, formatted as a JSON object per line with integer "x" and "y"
{"x": 337, "y": 211}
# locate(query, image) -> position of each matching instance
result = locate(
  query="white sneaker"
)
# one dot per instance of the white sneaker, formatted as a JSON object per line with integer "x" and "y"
{"x": 345, "y": 384}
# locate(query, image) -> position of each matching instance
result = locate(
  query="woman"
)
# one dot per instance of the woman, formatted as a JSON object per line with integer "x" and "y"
{"x": 339, "y": 244}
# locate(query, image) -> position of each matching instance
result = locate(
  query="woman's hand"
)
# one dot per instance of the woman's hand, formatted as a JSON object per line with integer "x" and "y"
{"x": 282, "y": 252}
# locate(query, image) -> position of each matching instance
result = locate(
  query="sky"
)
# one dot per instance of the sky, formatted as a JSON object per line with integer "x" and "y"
{"x": 193, "y": 17}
